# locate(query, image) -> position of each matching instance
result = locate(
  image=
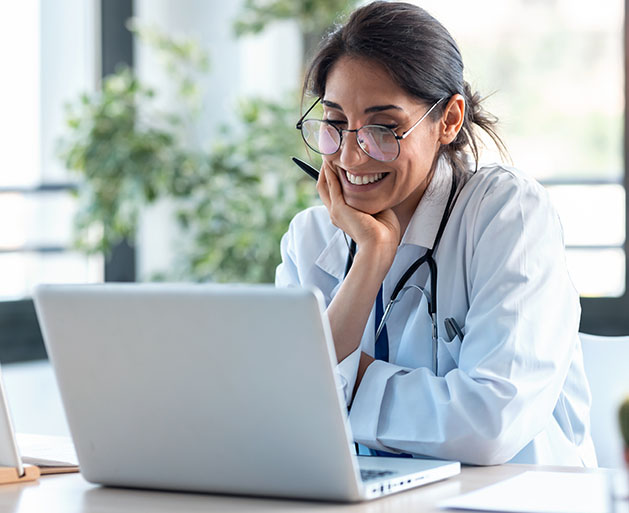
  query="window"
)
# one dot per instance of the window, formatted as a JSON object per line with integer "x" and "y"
{"x": 54, "y": 52}
{"x": 51, "y": 49}
{"x": 554, "y": 75}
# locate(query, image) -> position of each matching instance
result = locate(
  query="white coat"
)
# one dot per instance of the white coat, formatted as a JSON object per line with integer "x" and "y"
{"x": 514, "y": 389}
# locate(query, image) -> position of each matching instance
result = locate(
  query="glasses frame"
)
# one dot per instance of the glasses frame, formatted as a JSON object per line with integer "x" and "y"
{"x": 397, "y": 137}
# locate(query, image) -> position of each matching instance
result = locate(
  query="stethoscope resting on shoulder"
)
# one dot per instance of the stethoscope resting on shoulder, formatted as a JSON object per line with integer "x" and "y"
{"x": 452, "y": 327}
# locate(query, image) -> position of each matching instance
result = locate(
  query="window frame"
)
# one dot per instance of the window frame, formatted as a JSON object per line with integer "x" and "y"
{"x": 604, "y": 315}
{"x": 610, "y": 315}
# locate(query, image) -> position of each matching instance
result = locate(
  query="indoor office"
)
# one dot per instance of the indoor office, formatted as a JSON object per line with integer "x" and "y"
{"x": 262, "y": 255}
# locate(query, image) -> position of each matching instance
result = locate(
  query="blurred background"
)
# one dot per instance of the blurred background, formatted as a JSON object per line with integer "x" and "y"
{"x": 151, "y": 139}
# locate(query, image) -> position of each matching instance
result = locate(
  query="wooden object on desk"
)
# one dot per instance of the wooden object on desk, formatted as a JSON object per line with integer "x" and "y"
{"x": 10, "y": 474}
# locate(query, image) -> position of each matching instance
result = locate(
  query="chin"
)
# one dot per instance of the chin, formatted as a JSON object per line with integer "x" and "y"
{"x": 362, "y": 207}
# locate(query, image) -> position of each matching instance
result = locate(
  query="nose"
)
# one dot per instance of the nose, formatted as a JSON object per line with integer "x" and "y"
{"x": 350, "y": 154}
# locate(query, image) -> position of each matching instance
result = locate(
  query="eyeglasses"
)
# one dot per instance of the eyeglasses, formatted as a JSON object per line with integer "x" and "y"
{"x": 378, "y": 141}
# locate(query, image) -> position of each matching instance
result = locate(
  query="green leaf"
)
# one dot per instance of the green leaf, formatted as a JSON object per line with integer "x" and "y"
{"x": 234, "y": 199}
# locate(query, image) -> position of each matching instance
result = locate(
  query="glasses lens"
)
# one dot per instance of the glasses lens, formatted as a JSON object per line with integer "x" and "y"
{"x": 378, "y": 142}
{"x": 320, "y": 136}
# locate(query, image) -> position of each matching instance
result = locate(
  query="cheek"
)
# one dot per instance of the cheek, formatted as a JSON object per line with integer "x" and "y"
{"x": 421, "y": 153}
{"x": 411, "y": 162}
{"x": 413, "y": 168}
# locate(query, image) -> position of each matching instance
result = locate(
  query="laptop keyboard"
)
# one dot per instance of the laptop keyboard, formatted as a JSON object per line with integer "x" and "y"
{"x": 367, "y": 474}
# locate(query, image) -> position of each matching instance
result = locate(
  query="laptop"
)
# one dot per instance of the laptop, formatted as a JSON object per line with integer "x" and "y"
{"x": 44, "y": 454}
{"x": 211, "y": 388}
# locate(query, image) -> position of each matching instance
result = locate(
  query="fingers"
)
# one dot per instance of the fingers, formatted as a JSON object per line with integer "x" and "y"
{"x": 382, "y": 228}
{"x": 334, "y": 186}
{"x": 329, "y": 187}
{"x": 323, "y": 189}
{"x": 331, "y": 194}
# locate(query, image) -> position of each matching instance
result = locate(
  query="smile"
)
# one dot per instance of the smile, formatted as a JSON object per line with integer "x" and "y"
{"x": 363, "y": 179}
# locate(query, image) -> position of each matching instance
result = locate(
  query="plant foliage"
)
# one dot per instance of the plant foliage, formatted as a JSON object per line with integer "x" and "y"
{"x": 313, "y": 16}
{"x": 234, "y": 200}
{"x": 623, "y": 416}
{"x": 238, "y": 216}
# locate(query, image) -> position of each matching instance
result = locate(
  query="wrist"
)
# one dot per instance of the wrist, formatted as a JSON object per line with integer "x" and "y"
{"x": 365, "y": 361}
{"x": 378, "y": 256}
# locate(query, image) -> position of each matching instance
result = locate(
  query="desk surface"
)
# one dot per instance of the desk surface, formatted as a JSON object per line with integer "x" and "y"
{"x": 71, "y": 493}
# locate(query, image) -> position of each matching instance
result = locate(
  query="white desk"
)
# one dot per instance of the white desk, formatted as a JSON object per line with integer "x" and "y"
{"x": 71, "y": 493}
{"x": 37, "y": 408}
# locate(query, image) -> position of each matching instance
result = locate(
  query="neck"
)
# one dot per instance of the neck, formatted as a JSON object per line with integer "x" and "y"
{"x": 405, "y": 210}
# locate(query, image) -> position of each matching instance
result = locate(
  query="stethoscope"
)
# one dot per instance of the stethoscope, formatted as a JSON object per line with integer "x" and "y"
{"x": 431, "y": 297}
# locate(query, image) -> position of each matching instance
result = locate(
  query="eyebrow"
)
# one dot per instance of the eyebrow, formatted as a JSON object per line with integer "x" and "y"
{"x": 368, "y": 110}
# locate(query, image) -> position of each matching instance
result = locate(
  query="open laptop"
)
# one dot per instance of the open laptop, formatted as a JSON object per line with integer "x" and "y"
{"x": 44, "y": 454}
{"x": 210, "y": 388}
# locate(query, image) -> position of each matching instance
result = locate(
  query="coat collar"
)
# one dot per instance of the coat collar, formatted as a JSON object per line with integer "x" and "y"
{"x": 421, "y": 231}
{"x": 333, "y": 258}
{"x": 424, "y": 224}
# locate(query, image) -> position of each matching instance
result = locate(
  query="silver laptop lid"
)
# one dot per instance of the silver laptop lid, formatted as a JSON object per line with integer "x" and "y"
{"x": 200, "y": 387}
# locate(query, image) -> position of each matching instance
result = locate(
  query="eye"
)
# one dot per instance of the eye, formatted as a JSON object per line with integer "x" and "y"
{"x": 390, "y": 126}
{"x": 336, "y": 122}
{"x": 385, "y": 121}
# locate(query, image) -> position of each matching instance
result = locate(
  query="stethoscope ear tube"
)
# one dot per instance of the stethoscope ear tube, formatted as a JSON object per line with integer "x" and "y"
{"x": 350, "y": 257}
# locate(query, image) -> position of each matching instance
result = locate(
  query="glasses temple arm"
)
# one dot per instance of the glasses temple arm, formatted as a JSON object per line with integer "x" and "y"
{"x": 403, "y": 136}
{"x": 301, "y": 120}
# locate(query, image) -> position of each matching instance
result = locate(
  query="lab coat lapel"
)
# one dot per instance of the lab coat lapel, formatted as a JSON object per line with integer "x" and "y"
{"x": 334, "y": 256}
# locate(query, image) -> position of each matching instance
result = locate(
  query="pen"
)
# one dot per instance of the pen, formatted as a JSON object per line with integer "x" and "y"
{"x": 307, "y": 168}
{"x": 452, "y": 328}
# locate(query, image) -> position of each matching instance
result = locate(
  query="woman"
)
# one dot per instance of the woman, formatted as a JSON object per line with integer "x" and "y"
{"x": 483, "y": 365}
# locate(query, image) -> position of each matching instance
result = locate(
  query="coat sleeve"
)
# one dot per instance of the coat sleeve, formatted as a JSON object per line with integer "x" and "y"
{"x": 287, "y": 274}
{"x": 520, "y": 334}
{"x": 294, "y": 271}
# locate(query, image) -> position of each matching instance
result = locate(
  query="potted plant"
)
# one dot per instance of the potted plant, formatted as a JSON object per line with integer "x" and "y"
{"x": 623, "y": 415}
{"x": 234, "y": 197}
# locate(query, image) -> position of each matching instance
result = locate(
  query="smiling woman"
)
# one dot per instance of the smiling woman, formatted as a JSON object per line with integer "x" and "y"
{"x": 483, "y": 365}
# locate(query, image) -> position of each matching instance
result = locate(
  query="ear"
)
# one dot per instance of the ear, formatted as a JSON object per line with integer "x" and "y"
{"x": 452, "y": 119}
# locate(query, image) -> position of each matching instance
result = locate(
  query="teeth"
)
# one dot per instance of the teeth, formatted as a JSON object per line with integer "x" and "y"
{"x": 364, "y": 179}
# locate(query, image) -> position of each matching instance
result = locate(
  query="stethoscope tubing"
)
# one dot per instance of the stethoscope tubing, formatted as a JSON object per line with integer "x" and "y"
{"x": 426, "y": 258}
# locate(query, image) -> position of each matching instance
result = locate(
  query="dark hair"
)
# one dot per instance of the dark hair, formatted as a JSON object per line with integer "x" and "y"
{"x": 421, "y": 57}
